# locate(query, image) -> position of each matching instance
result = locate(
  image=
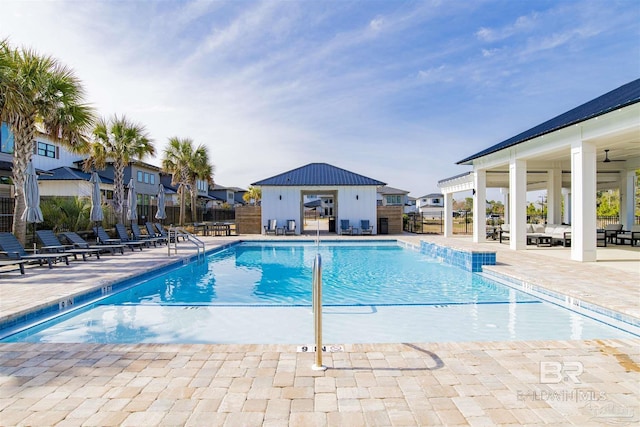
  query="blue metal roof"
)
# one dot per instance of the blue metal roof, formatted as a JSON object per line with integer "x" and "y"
{"x": 621, "y": 97}
{"x": 66, "y": 173}
{"x": 318, "y": 174}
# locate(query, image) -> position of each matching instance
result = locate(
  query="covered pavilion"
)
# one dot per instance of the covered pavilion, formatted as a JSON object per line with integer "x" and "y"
{"x": 595, "y": 146}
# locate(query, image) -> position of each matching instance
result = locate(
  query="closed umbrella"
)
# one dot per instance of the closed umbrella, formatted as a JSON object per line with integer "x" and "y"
{"x": 161, "y": 214}
{"x": 132, "y": 212}
{"x": 32, "y": 213}
{"x": 96, "y": 214}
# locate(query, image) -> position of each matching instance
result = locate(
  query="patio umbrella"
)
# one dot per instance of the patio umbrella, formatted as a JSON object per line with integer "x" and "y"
{"x": 161, "y": 214}
{"x": 132, "y": 212}
{"x": 96, "y": 214}
{"x": 32, "y": 213}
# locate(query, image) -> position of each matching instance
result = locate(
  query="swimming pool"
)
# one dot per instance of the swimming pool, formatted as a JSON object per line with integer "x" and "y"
{"x": 260, "y": 292}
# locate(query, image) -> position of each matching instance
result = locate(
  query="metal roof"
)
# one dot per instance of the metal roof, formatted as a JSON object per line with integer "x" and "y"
{"x": 66, "y": 173}
{"x": 317, "y": 174}
{"x": 621, "y": 97}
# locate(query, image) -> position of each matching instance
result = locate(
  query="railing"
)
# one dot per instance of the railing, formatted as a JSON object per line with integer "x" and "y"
{"x": 317, "y": 311}
{"x": 175, "y": 232}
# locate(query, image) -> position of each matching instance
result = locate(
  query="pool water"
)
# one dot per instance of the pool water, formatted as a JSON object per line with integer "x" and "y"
{"x": 260, "y": 292}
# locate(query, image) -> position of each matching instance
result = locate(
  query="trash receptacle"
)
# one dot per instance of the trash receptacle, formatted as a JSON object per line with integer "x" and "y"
{"x": 383, "y": 225}
{"x": 332, "y": 224}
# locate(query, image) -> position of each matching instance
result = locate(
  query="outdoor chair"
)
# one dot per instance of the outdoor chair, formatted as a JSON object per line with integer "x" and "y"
{"x": 78, "y": 242}
{"x": 365, "y": 227}
{"x": 9, "y": 262}
{"x": 270, "y": 228}
{"x": 12, "y": 248}
{"x": 104, "y": 239}
{"x": 345, "y": 227}
{"x": 611, "y": 231}
{"x": 151, "y": 231}
{"x": 51, "y": 243}
{"x": 633, "y": 236}
{"x": 291, "y": 227}
{"x": 137, "y": 235}
{"x": 123, "y": 235}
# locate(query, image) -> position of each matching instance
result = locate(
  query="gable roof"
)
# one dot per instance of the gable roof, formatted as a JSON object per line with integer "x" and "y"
{"x": 390, "y": 190}
{"x": 318, "y": 174}
{"x": 621, "y": 97}
{"x": 66, "y": 173}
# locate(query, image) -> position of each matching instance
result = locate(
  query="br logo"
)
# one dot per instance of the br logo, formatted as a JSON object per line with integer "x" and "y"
{"x": 557, "y": 372}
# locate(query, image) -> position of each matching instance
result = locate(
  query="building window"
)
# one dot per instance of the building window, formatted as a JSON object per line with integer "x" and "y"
{"x": 152, "y": 179}
{"x": 435, "y": 201}
{"x": 394, "y": 200}
{"x": 6, "y": 139}
{"x": 146, "y": 178}
{"x": 140, "y": 175}
{"x": 46, "y": 150}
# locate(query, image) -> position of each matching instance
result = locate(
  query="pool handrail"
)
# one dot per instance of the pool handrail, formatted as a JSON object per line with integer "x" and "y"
{"x": 317, "y": 311}
{"x": 179, "y": 231}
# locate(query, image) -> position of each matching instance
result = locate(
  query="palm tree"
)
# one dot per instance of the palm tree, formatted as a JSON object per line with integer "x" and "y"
{"x": 121, "y": 141}
{"x": 253, "y": 193}
{"x": 199, "y": 169}
{"x": 37, "y": 89}
{"x": 186, "y": 165}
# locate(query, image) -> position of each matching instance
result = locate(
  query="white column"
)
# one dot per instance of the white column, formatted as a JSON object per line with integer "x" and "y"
{"x": 480, "y": 206}
{"x": 518, "y": 204}
{"x": 627, "y": 198}
{"x": 505, "y": 203}
{"x": 566, "y": 197}
{"x": 448, "y": 214}
{"x": 583, "y": 201}
{"x": 554, "y": 196}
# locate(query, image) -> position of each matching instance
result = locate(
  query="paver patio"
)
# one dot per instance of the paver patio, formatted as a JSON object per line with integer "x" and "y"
{"x": 469, "y": 383}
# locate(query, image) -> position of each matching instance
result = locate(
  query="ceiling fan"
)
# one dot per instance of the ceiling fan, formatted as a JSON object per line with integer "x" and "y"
{"x": 607, "y": 159}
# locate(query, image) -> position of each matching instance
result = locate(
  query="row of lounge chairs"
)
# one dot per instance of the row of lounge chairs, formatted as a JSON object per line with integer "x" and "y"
{"x": 59, "y": 248}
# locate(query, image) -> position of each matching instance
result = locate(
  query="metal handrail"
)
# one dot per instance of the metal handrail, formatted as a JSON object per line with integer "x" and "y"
{"x": 317, "y": 311}
{"x": 179, "y": 231}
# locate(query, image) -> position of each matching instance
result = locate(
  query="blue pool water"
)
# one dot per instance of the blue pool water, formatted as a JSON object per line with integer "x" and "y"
{"x": 258, "y": 292}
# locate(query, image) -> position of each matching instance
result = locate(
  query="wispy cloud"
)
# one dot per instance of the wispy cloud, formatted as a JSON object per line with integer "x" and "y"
{"x": 268, "y": 86}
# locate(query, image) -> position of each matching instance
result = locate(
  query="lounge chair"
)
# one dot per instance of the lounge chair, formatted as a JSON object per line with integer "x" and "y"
{"x": 104, "y": 239}
{"x": 123, "y": 235}
{"x": 151, "y": 231}
{"x": 51, "y": 243}
{"x": 271, "y": 227}
{"x": 633, "y": 236}
{"x": 345, "y": 227}
{"x": 291, "y": 227}
{"x": 12, "y": 248}
{"x": 4, "y": 262}
{"x": 78, "y": 242}
{"x": 365, "y": 227}
{"x": 137, "y": 235}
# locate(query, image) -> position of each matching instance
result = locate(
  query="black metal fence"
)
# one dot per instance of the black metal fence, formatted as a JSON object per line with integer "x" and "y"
{"x": 463, "y": 222}
{"x": 6, "y": 213}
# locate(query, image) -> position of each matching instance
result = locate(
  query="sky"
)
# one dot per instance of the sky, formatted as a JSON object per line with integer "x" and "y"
{"x": 398, "y": 91}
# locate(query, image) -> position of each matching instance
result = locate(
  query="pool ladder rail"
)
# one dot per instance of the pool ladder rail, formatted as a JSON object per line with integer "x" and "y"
{"x": 317, "y": 311}
{"x": 176, "y": 232}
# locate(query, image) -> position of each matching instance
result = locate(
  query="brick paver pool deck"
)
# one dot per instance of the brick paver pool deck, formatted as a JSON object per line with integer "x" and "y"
{"x": 403, "y": 384}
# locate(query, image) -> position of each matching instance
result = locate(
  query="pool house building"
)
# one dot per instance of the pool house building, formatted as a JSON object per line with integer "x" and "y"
{"x": 354, "y": 196}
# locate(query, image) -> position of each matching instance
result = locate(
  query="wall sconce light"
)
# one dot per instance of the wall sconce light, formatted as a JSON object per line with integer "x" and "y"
{"x": 281, "y": 197}
{"x": 356, "y": 197}
{"x": 474, "y": 191}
